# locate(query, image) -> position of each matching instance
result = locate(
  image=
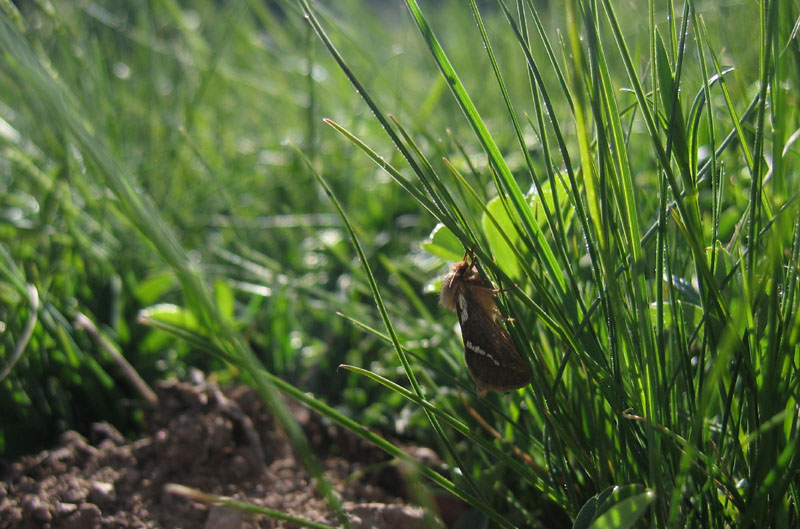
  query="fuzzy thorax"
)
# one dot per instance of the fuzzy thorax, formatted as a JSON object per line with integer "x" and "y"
{"x": 465, "y": 281}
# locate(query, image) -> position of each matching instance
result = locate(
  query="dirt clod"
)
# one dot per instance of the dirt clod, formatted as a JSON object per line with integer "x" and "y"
{"x": 200, "y": 437}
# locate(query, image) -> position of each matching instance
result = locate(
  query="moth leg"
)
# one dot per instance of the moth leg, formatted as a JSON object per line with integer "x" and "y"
{"x": 487, "y": 291}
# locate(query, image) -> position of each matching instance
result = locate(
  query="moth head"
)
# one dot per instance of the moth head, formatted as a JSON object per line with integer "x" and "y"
{"x": 460, "y": 274}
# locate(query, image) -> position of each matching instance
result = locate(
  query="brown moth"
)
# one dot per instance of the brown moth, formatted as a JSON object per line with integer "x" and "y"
{"x": 492, "y": 358}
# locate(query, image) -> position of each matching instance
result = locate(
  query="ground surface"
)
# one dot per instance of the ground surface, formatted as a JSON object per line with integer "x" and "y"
{"x": 219, "y": 443}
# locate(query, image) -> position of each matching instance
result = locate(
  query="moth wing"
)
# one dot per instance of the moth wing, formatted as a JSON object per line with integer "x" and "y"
{"x": 492, "y": 358}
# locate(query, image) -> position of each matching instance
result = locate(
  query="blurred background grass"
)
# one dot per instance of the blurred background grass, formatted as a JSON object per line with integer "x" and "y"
{"x": 198, "y": 102}
{"x": 206, "y": 106}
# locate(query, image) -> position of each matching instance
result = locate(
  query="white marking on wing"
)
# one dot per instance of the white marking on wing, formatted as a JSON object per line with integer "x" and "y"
{"x": 476, "y": 349}
{"x": 462, "y": 303}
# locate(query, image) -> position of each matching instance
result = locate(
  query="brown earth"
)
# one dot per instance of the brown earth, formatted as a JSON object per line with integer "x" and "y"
{"x": 220, "y": 443}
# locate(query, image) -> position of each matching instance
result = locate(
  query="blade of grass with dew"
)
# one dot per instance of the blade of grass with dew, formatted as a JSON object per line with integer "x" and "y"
{"x": 445, "y": 219}
{"x": 420, "y": 197}
{"x": 532, "y": 230}
{"x": 628, "y": 349}
{"x": 588, "y": 169}
{"x": 615, "y": 149}
{"x": 549, "y": 49}
{"x": 395, "y": 340}
{"x": 767, "y": 23}
{"x": 694, "y": 229}
{"x": 467, "y": 243}
{"x": 435, "y": 207}
{"x": 430, "y": 176}
{"x": 556, "y": 227}
{"x": 573, "y": 303}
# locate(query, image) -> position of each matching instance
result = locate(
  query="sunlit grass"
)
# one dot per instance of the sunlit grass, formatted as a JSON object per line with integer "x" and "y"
{"x": 629, "y": 175}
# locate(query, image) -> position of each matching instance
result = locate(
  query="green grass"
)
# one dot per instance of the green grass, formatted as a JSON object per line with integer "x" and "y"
{"x": 627, "y": 170}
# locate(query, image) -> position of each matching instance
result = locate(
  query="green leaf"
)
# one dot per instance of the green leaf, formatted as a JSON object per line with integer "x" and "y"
{"x": 224, "y": 298}
{"x": 178, "y": 322}
{"x": 625, "y": 513}
{"x": 536, "y": 198}
{"x": 617, "y": 508}
{"x": 589, "y": 509}
{"x": 154, "y": 287}
{"x": 444, "y": 244}
{"x": 501, "y": 251}
{"x": 171, "y": 314}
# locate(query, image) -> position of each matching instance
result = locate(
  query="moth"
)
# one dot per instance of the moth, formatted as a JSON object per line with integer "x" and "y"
{"x": 491, "y": 356}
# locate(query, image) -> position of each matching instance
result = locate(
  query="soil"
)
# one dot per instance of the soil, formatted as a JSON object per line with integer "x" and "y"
{"x": 219, "y": 442}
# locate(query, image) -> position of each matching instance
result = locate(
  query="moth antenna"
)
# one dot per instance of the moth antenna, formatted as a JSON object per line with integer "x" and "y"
{"x": 471, "y": 254}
